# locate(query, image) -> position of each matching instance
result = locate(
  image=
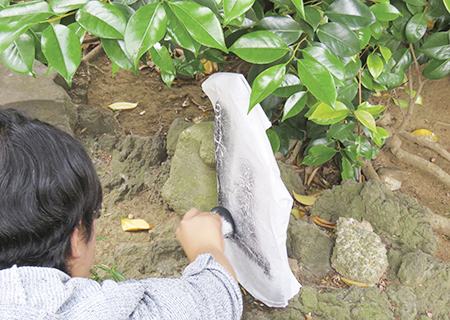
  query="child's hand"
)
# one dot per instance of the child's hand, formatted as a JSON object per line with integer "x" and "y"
{"x": 200, "y": 232}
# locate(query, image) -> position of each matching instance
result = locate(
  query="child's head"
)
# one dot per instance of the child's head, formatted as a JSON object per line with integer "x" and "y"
{"x": 48, "y": 189}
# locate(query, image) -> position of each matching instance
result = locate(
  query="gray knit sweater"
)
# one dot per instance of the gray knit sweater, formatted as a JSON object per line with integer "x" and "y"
{"x": 205, "y": 291}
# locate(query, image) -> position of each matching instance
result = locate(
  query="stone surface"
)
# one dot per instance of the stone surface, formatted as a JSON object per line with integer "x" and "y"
{"x": 39, "y": 97}
{"x": 358, "y": 254}
{"x": 192, "y": 181}
{"x": 291, "y": 179}
{"x": 392, "y": 177}
{"x": 175, "y": 129}
{"x": 95, "y": 122}
{"x": 129, "y": 164}
{"x": 399, "y": 219}
{"x": 311, "y": 247}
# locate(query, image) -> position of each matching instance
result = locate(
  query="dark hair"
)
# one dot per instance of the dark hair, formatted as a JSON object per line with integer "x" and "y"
{"x": 48, "y": 184}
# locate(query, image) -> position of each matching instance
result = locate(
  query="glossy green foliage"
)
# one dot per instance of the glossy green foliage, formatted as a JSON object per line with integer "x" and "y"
{"x": 315, "y": 63}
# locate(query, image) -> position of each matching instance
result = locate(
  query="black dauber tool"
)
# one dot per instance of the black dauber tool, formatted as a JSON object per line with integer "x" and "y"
{"x": 228, "y": 226}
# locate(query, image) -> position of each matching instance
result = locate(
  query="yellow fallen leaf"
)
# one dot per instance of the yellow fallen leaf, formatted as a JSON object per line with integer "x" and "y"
{"x": 306, "y": 200}
{"x": 323, "y": 223}
{"x": 122, "y": 105}
{"x": 354, "y": 283}
{"x": 210, "y": 67}
{"x": 135, "y": 224}
{"x": 425, "y": 133}
{"x": 297, "y": 213}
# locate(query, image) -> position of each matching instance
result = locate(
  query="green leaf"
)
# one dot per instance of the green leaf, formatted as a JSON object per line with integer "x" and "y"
{"x": 417, "y": 3}
{"x": 102, "y": 19}
{"x": 274, "y": 140}
{"x": 403, "y": 103}
{"x": 436, "y": 69}
{"x": 324, "y": 114}
{"x": 447, "y": 5}
{"x": 18, "y": 15}
{"x": 300, "y": 7}
{"x": 365, "y": 149}
{"x": 370, "y": 108}
{"x": 352, "y": 13}
{"x": 385, "y": 52}
{"x": 376, "y": 29}
{"x": 352, "y": 66}
{"x": 403, "y": 60}
{"x": 375, "y": 65}
{"x": 126, "y": 10}
{"x": 318, "y": 80}
{"x": 200, "y": 22}
{"x": 78, "y": 30}
{"x": 366, "y": 119}
{"x": 19, "y": 56}
{"x": 62, "y": 6}
{"x": 364, "y": 36}
{"x": 4, "y": 3}
{"x": 341, "y": 131}
{"x": 62, "y": 50}
{"x": 235, "y": 8}
{"x": 349, "y": 90}
{"x": 318, "y": 155}
{"x": 146, "y": 27}
{"x": 313, "y": 16}
{"x": 416, "y": 27}
{"x": 290, "y": 85}
{"x": 385, "y": 11}
{"x": 265, "y": 83}
{"x": 419, "y": 98}
{"x": 161, "y": 57}
{"x": 348, "y": 171}
{"x": 327, "y": 59}
{"x": 379, "y": 136}
{"x": 115, "y": 49}
{"x": 294, "y": 105}
{"x": 269, "y": 46}
{"x": 340, "y": 39}
{"x": 366, "y": 80}
{"x": 179, "y": 33}
{"x": 213, "y": 55}
{"x": 284, "y": 26}
{"x": 437, "y": 46}
{"x": 9, "y": 34}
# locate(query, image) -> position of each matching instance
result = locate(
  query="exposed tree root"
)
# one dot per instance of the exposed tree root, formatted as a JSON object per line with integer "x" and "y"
{"x": 394, "y": 145}
{"x": 440, "y": 224}
{"x": 426, "y": 142}
{"x": 93, "y": 55}
{"x": 369, "y": 172}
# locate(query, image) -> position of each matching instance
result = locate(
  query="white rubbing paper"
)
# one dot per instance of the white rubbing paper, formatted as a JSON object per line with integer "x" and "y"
{"x": 250, "y": 187}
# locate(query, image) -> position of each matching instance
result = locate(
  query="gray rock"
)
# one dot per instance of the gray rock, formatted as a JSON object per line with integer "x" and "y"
{"x": 392, "y": 177}
{"x": 430, "y": 280}
{"x": 311, "y": 247}
{"x": 404, "y": 300}
{"x": 96, "y": 122}
{"x": 291, "y": 179}
{"x": 39, "y": 97}
{"x": 192, "y": 181}
{"x": 399, "y": 219}
{"x": 133, "y": 162}
{"x": 358, "y": 254}
{"x": 175, "y": 129}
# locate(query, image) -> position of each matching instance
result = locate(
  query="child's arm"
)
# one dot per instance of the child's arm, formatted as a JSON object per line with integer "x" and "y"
{"x": 200, "y": 232}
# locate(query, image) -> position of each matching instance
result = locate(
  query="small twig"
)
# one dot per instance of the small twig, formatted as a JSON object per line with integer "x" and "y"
{"x": 311, "y": 177}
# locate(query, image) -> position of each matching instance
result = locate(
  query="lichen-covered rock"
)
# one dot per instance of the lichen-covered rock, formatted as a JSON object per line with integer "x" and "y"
{"x": 358, "y": 254}
{"x": 311, "y": 247}
{"x": 399, "y": 219}
{"x": 192, "y": 181}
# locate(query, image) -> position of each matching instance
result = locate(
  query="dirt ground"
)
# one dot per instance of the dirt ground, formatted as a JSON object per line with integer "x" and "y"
{"x": 159, "y": 106}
